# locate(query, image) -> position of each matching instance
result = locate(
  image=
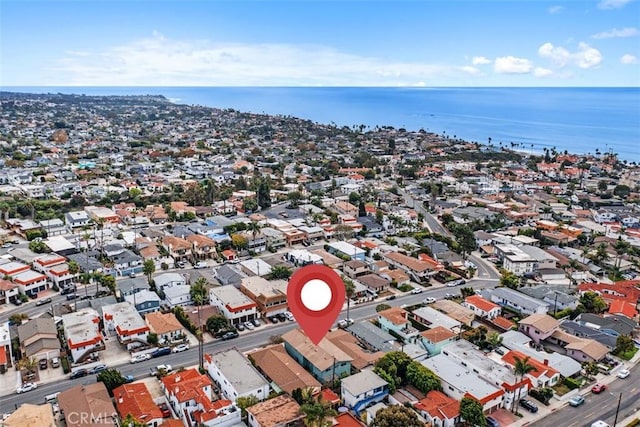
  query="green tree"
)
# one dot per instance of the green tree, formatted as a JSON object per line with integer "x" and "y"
{"x": 509, "y": 280}
{"x": 395, "y": 364}
{"x": 216, "y": 324}
{"x": 349, "y": 290}
{"x": 382, "y": 307}
{"x": 29, "y": 364}
{"x": 112, "y": 378}
{"x": 245, "y": 402}
{"x": 467, "y": 292}
{"x": 422, "y": 377}
{"x": 200, "y": 291}
{"x": 471, "y": 412}
{"x": 130, "y": 421}
{"x": 148, "y": 268}
{"x": 38, "y": 246}
{"x": 108, "y": 281}
{"x": 623, "y": 344}
{"x": 592, "y": 302}
{"x": 152, "y": 338}
{"x": 520, "y": 369}
{"x": 280, "y": 272}
{"x": 494, "y": 339}
{"x": 396, "y": 416}
{"x": 622, "y": 191}
{"x": 294, "y": 198}
{"x": 318, "y": 413}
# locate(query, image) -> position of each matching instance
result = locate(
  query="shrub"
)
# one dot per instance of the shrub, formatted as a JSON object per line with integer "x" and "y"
{"x": 571, "y": 383}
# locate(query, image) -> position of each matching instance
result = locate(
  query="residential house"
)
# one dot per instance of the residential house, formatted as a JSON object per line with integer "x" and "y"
{"x": 395, "y": 320}
{"x": 515, "y": 260}
{"x": 233, "y": 304}
{"x": 348, "y": 343}
{"x": 274, "y": 238}
{"x": 375, "y": 283}
{"x": 76, "y": 219}
{"x": 432, "y": 318}
{"x": 611, "y": 324}
{"x": 235, "y": 376}
{"x": 324, "y": 361}
{"x": 81, "y": 330}
{"x": 556, "y": 296}
{"x": 439, "y": 409}
{"x": 144, "y": 301}
{"x": 541, "y": 376}
{"x": 481, "y": 307}
{"x": 179, "y": 249}
{"x": 87, "y": 405}
{"x": 361, "y": 389}
{"x": 434, "y": 339}
{"x": 123, "y": 319}
{"x": 288, "y": 375}
{"x": 538, "y": 326}
{"x": 580, "y": 349}
{"x": 135, "y": 400}
{"x": 166, "y": 326}
{"x": 6, "y": 353}
{"x": 269, "y": 295}
{"x": 9, "y": 292}
{"x": 626, "y": 290}
{"x": 190, "y": 395}
{"x": 517, "y": 301}
{"x": 418, "y": 270}
{"x": 344, "y": 249}
{"x": 279, "y": 411}
{"x": 372, "y": 337}
{"x": 28, "y": 415}
{"x": 179, "y": 295}
{"x": 167, "y": 280}
{"x": 255, "y": 267}
{"x": 228, "y": 275}
{"x": 355, "y": 268}
{"x": 39, "y": 338}
{"x": 133, "y": 285}
{"x": 203, "y": 247}
{"x": 574, "y": 328}
{"x": 302, "y": 257}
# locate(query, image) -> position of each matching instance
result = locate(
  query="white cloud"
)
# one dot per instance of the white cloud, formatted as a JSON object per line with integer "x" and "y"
{"x": 512, "y": 65}
{"x": 480, "y": 60}
{"x": 470, "y": 70}
{"x": 623, "y": 32}
{"x": 585, "y": 57}
{"x": 542, "y": 72}
{"x": 613, "y": 4}
{"x": 628, "y": 59}
{"x": 555, "y": 9}
{"x": 158, "y": 60}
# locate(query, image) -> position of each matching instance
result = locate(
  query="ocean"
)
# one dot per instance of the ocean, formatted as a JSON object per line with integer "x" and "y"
{"x": 579, "y": 120}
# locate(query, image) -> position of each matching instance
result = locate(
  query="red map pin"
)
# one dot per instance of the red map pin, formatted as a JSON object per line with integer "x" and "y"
{"x": 315, "y": 295}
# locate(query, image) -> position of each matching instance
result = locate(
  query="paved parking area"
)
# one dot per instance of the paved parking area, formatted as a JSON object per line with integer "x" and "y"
{"x": 504, "y": 417}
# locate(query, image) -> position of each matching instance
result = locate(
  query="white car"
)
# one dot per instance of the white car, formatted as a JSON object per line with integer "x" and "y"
{"x": 180, "y": 348}
{"x": 429, "y": 300}
{"x": 623, "y": 373}
{"x": 26, "y": 387}
{"x": 140, "y": 358}
{"x": 249, "y": 326}
{"x": 289, "y": 316}
{"x": 416, "y": 291}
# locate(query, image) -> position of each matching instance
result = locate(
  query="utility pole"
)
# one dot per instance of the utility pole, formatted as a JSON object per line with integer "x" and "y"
{"x": 615, "y": 421}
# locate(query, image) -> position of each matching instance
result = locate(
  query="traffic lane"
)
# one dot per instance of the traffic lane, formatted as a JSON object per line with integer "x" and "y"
{"x": 247, "y": 341}
{"x": 485, "y": 271}
{"x": 599, "y": 406}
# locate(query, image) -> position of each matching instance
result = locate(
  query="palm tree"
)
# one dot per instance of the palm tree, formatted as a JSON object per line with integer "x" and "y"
{"x": 349, "y": 290}
{"x": 148, "y": 269}
{"x": 198, "y": 299}
{"x": 29, "y": 364}
{"x": 520, "y": 369}
{"x": 74, "y": 269}
{"x": 318, "y": 413}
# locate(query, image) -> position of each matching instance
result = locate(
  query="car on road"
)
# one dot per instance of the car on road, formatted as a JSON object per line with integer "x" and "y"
{"x": 598, "y": 388}
{"x": 492, "y": 422}
{"x": 200, "y": 264}
{"x": 129, "y": 379}
{"x": 140, "y": 358}
{"x": 6, "y": 245}
{"x": 576, "y": 401}
{"x": 78, "y": 374}
{"x": 429, "y": 300}
{"x": 249, "y": 326}
{"x": 180, "y": 348}
{"x": 229, "y": 335}
{"x": 390, "y": 298}
{"x": 256, "y": 323}
{"x": 417, "y": 291}
{"x": 26, "y": 387}
{"x": 623, "y": 373}
{"x": 529, "y": 405}
{"x": 164, "y": 368}
{"x": 71, "y": 297}
{"x": 162, "y": 351}
{"x": 98, "y": 368}
{"x": 43, "y": 301}
{"x": 43, "y": 364}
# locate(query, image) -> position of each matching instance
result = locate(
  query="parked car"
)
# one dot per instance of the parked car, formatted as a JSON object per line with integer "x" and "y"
{"x": 289, "y": 316}
{"x": 576, "y": 401}
{"x": 43, "y": 301}
{"x": 491, "y": 422}
{"x": 416, "y": 290}
{"x": 165, "y": 368}
{"x": 499, "y": 350}
{"x": 623, "y": 373}
{"x": 256, "y": 323}
{"x": 249, "y": 326}
{"x": 162, "y": 351}
{"x": 129, "y": 379}
{"x": 273, "y": 319}
{"x": 180, "y": 264}
{"x": 164, "y": 408}
{"x": 200, "y": 264}
{"x": 230, "y": 335}
{"x": 140, "y": 358}
{"x": 78, "y": 374}
{"x": 43, "y": 364}
{"x": 390, "y": 298}
{"x": 598, "y": 388}
{"x": 71, "y": 297}
{"x": 98, "y": 368}
{"x": 345, "y": 323}
{"x": 529, "y": 405}
{"x": 66, "y": 291}
{"x": 281, "y": 317}
{"x": 240, "y": 327}
{"x": 17, "y": 302}
{"x": 26, "y": 387}
{"x": 180, "y": 348}
{"x": 55, "y": 362}
{"x": 429, "y": 300}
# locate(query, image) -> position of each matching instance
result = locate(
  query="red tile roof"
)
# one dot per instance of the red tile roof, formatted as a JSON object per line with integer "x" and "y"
{"x": 439, "y": 405}
{"x": 347, "y": 420}
{"x": 136, "y": 400}
{"x": 541, "y": 368}
{"x": 503, "y": 323}
{"x": 481, "y": 303}
{"x": 623, "y": 307}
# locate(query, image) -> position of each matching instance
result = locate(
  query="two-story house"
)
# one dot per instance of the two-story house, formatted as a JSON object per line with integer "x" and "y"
{"x": 396, "y": 321}
{"x": 538, "y": 327}
{"x": 123, "y": 319}
{"x": 269, "y": 295}
{"x": 135, "y": 400}
{"x": 361, "y": 389}
{"x": 233, "y": 304}
{"x": 235, "y": 376}
{"x": 166, "y": 326}
{"x": 481, "y": 307}
{"x": 82, "y": 332}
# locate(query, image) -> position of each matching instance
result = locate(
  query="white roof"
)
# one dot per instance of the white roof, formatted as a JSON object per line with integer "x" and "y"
{"x": 362, "y": 382}
{"x": 460, "y": 377}
{"x": 256, "y": 266}
{"x": 230, "y": 296}
{"x": 59, "y": 243}
{"x": 238, "y": 371}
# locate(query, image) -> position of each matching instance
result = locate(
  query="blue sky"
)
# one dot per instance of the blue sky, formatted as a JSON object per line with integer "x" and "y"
{"x": 314, "y": 43}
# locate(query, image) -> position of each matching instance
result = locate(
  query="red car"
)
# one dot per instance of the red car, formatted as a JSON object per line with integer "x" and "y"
{"x": 166, "y": 412}
{"x": 598, "y": 388}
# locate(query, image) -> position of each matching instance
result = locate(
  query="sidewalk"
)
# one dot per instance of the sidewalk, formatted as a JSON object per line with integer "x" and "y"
{"x": 558, "y": 403}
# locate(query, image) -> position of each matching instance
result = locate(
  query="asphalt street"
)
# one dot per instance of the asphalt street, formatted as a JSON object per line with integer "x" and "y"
{"x": 599, "y": 406}
{"x": 247, "y": 341}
